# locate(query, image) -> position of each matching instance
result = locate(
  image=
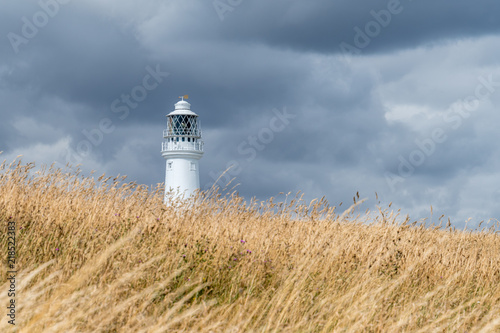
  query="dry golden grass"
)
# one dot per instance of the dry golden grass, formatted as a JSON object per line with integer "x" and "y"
{"x": 106, "y": 256}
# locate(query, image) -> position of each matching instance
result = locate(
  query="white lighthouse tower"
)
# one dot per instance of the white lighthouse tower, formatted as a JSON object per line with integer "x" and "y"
{"x": 182, "y": 149}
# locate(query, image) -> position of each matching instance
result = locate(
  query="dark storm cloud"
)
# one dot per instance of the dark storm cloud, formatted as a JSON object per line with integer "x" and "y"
{"x": 321, "y": 26}
{"x": 78, "y": 56}
{"x": 264, "y": 56}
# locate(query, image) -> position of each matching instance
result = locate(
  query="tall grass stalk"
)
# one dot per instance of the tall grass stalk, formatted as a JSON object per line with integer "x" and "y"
{"x": 97, "y": 254}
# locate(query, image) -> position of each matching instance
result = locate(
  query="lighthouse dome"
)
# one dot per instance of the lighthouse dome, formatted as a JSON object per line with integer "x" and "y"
{"x": 182, "y": 105}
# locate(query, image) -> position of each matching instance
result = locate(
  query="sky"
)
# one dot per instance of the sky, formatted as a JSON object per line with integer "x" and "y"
{"x": 396, "y": 100}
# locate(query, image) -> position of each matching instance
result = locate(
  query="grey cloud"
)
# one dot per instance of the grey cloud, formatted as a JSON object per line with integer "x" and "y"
{"x": 265, "y": 56}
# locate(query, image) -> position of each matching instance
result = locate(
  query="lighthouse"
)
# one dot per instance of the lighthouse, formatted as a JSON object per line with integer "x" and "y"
{"x": 182, "y": 150}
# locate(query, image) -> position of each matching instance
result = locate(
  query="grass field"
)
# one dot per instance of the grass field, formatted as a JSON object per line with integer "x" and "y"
{"x": 107, "y": 256}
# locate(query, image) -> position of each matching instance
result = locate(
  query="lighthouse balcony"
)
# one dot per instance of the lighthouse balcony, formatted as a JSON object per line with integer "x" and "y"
{"x": 168, "y": 133}
{"x": 176, "y": 146}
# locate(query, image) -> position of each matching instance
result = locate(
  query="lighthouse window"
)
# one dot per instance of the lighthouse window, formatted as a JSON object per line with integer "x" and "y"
{"x": 182, "y": 124}
{"x": 193, "y": 166}
{"x": 169, "y": 165}
{"x": 177, "y": 139}
{"x": 183, "y": 139}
